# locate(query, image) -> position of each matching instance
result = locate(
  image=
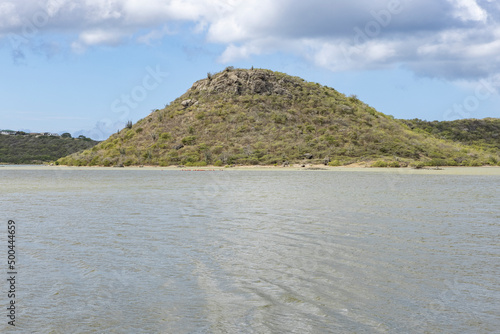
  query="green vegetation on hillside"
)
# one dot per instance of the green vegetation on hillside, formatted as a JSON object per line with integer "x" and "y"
{"x": 258, "y": 116}
{"x": 480, "y": 133}
{"x": 26, "y": 149}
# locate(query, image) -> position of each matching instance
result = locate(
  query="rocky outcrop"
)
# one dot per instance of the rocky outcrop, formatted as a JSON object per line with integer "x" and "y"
{"x": 189, "y": 103}
{"x": 241, "y": 82}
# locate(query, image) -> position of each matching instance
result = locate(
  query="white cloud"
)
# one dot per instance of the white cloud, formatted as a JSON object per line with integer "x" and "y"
{"x": 469, "y": 10}
{"x": 98, "y": 37}
{"x": 443, "y": 38}
{"x": 9, "y": 16}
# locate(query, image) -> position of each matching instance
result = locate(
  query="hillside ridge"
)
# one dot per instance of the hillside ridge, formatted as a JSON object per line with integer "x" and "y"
{"x": 17, "y": 147}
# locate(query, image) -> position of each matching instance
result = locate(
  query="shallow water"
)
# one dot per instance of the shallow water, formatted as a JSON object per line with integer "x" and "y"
{"x": 166, "y": 251}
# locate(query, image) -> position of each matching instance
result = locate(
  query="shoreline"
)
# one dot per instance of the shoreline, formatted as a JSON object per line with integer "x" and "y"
{"x": 446, "y": 170}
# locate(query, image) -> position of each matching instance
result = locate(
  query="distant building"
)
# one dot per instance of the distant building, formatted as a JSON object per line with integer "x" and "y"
{"x": 7, "y": 132}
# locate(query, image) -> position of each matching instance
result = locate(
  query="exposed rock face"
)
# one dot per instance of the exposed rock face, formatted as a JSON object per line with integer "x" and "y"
{"x": 188, "y": 103}
{"x": 242, "y": 82}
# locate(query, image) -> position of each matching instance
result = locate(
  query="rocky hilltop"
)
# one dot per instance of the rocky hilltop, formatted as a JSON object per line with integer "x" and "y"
{"x": 240, "y": 82}
{"x": 258, "y": 116}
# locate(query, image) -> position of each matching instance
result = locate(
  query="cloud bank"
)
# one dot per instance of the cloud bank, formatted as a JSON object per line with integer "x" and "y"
{"x": 447, "y": 39}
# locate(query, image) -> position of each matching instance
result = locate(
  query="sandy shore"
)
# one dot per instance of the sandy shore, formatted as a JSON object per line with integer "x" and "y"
{"x": 487, "y": 170}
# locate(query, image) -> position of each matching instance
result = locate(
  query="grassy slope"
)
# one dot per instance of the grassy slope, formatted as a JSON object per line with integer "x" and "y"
{"x": 30, "y": 149}
{"x": 264, "y": 117}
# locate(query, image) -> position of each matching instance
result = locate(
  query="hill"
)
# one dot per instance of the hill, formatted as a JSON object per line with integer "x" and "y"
{"x": 262, "y": 117}
{"x": 29, "y": 149}
{"x": 480, "y": 133}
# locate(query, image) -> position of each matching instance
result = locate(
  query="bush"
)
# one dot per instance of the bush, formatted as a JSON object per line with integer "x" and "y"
{"x": 195, "y": 164}
{"x": 451, "y": 162}
{"x": 94, "y": 161}
{"x": 130, "y": 161}
{"x": 418, "y": 165}
{"x": 379, "y": 163}
{"x": 475, "y": 163}
{"x": 129, "y": 135}
{"x": 165, "y": 136}
{"x": 189, "y": 140}
{"x": 394, "y": 164}
{"x": 334, "y": 163}
{"x": 279, "y": 118}
{"x": 437, "y": 162}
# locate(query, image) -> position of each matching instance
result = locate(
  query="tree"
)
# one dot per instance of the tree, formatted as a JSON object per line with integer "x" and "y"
{"x": 66, "y": 135}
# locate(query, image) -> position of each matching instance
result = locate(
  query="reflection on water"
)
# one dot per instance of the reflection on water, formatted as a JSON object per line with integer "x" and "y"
{"x": 151, "y": 251}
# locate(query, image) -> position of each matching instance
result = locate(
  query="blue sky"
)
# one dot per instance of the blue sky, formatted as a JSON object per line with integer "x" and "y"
{"x": 89, "y": 66}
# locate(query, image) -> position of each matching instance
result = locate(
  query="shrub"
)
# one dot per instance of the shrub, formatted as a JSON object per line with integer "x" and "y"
{"x": 334, "y": 163}
{"x": 475, "y": 163}
{"x": 310, "y": 128}
{"x": 379, "y": 163}
{"x": 129, "y": 134}
{"x": 165, "y": 136}
{"x": 451, "y": 162}
{"x": 418, "y": 165}
{"x": 492, "y": 161}
{"x": 130, "y": 161}
{"x": 189, "y": 140}
{"x": 354, "y": 98}
{"x": 279, "y": 118}
{"x": 94, "y": 161}
{"x": 437, "y": 162}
